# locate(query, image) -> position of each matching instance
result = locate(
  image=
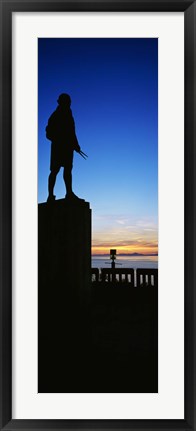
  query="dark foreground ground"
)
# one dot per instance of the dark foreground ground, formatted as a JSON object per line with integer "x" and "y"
{"x": 106, "y": 343}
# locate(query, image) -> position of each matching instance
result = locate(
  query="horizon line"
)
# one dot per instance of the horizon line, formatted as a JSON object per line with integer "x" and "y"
{"x": 125, "y": 254}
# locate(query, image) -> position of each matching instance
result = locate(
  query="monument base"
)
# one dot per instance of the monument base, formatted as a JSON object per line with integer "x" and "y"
{"x": 64, "y": 246}
{"x": 64, "y": 276}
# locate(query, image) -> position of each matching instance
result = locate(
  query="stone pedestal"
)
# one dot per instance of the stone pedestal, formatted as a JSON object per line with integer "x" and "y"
{"x": 64, "y": 275}
{"x": 64, "y": 247}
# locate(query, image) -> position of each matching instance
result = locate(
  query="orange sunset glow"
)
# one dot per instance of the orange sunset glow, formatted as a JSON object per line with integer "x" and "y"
{"x": 139, "y": 237}
{"x": 142, "y": 249}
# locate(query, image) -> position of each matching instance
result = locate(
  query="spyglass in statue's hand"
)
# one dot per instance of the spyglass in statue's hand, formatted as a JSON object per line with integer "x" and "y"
{"x": 83, "y": 154}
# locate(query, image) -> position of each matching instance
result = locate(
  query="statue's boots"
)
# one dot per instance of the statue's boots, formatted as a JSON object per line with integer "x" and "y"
{"x": 71, "y": 197}
{"x": 51, "y": 199}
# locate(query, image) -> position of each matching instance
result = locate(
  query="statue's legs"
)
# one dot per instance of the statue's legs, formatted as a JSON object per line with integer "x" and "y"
{"x": 51, "y": 182}
{"x": 67, "y": 176}
{"x": 70, "y": 195}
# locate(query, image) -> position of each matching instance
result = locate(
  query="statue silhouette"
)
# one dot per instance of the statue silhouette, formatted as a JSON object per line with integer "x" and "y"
{"x": 61, "y": 131}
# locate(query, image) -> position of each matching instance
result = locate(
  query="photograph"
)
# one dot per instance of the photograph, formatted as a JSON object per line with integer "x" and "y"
{"x": 98, "y": 215}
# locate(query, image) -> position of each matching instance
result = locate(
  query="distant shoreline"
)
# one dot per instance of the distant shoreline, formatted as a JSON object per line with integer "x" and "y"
{"x": 126, "y": 254}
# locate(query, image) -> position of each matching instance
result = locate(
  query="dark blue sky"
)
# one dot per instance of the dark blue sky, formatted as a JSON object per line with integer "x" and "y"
{"x": 113, "y": 84}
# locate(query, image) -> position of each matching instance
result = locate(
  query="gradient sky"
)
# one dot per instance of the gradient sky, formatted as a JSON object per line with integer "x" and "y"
{"x": 113, "y": 84}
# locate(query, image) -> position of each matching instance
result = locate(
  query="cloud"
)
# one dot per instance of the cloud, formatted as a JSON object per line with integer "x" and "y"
{"x": 121, "y": 222}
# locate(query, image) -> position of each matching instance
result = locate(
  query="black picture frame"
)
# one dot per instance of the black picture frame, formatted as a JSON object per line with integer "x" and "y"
{"x": 6, "y": 9}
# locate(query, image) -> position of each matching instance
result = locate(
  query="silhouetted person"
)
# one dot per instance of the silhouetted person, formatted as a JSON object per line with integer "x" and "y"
{"x": 61, "y": 131}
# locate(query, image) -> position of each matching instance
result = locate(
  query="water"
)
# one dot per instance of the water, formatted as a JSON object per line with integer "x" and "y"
{"x": 126, "y": 262}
